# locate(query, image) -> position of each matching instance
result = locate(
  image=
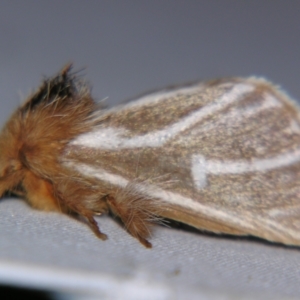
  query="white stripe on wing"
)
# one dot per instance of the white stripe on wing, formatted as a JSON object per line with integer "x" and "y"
{"x": 201, "y": 167}
{"x": 113, "y": 138}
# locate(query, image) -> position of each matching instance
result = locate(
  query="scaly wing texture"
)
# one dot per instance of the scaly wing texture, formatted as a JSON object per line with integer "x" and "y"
{"x": 230, "y": 150}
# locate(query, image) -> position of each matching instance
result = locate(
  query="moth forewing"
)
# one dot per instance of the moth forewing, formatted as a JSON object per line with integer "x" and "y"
{"x": 230, "y": 147}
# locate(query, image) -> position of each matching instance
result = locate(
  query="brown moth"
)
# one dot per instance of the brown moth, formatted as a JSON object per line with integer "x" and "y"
{"x": 221, "y": 156}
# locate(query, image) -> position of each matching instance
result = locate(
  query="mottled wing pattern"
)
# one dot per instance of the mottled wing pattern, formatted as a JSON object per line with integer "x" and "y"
{"x": 229, "y": 148}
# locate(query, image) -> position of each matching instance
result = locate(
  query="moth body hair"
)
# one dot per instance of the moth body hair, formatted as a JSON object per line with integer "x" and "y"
{"x": 222, "y": 156}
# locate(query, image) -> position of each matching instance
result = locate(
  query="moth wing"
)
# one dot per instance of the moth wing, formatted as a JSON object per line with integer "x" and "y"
{"x": 222, "y": 156}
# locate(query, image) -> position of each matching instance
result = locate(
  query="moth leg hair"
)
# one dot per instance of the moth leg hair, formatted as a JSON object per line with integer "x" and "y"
{"x": 136, "y": 211}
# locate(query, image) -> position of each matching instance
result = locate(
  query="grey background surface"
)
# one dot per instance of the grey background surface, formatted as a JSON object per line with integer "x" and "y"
{"x": 129, "y": 47}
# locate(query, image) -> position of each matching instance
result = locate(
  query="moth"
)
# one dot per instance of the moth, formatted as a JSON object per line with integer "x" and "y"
{"x": 222, "y": 156}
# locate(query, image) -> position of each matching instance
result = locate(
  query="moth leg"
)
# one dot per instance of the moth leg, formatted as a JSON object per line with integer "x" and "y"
{"x": 94, "y": 226}
{"x": 89, "y": 217}
{"x": 73, "y": 204}
{"x": 18, "y": 191}
{"x": 134, "y": 220}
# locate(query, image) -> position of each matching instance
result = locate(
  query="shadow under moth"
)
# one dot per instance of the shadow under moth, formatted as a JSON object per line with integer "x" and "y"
{"x": 222, "y": 156}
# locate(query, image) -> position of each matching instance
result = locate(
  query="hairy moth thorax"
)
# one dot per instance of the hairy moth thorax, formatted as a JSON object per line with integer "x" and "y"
{"x": 32, "y": 145}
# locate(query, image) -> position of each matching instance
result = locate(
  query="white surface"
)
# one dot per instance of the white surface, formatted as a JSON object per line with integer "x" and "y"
{"x": 52, "y": 251}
